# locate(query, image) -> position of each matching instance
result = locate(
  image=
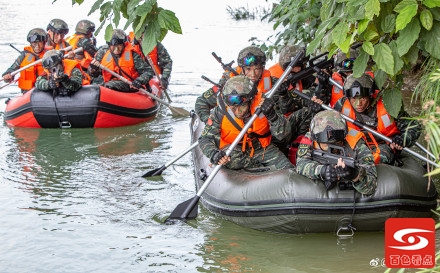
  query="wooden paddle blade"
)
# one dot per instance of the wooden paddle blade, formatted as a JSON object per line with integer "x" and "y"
{"x": 186, "y": 210}
{"x": 177, "y": 111}
{"x": 155, "y": 172}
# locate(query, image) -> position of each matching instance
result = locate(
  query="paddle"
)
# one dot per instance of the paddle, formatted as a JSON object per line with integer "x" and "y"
{"x": 189, "y": 208}
{"x": 158, "y": 171}
{"x": 150, "y": 61}
{"x": 39, "y": 61}
{"x": 366, "y": 128}
{"x": 175, "y": 110}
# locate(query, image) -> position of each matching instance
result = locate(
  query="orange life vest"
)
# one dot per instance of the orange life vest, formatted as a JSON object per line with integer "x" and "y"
{"x": 265, "y": 83}
{"x": 228, "y": 132}
{"x": 153, "y": 54}
{"x": 337, "y": 93}
{"x": 28, "y": 77}
{"x": 73, "y": 41}
{"x": 125, "y": 62}
{"x": 276, "y": 70}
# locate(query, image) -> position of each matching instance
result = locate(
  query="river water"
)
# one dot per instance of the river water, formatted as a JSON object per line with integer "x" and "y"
{"x": 75, "y": 201}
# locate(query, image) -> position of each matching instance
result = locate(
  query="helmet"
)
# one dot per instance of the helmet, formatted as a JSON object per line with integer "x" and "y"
{"x": 85, "y": 27}
{"x": 37, "y": 35}
{"x": 52, "y": 58}
{"x": 362, "y": 86}
{"x": 58, "y": 26}
{"x": 328, "y": 127}
{"x": 288, "y": 52}
{"x": 238, "y": 90}
{"x": 343, "y": 63}
{"x": 251, "y": 55}
{"x": 118, "y": 37}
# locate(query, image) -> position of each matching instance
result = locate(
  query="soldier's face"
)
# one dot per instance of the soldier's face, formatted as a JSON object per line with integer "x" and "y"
{"x": 37, "y": 47}
{"x": 360, "y": 104}
{"x": 117, "y": 49}
{"x": 240, "y": 111}
{"x": 253, "y": 72}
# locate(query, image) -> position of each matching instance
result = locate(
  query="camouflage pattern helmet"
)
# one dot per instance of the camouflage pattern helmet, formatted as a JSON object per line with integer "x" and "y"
{"x": 52, "y": 58}
{"x": 251, "y": 55}
{"x": 288, "y": 52}
{"x": 328, "y": 127}
{"x": 58, "y": 26}
{"x": 118, "y": 37}
{"x": 343, "y": 63}
{"x": 85, "y": 27}
{"x": 362, "y": 86}
{"x": 238, "y": 90}
{"x": 37, "y": 35}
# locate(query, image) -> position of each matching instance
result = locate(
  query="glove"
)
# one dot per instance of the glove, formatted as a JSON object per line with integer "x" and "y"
{"x": 52, "y": 84}
{"x": 137, "y": 84}
{"x": 284, "y": 87}
{"x": 329, "y": 175}
{"x": 87, "y": 46}
{"x": 314, "y": 107}
{"x": 347, "y": 172}
{"x": 268, "y": 109}
{"x": 217, "y": 156}
{"x": 398, "y": 139}
{"x": 164, "y": 83}
{"x": 63, "y": 78}
{"x": 322, "y": 77}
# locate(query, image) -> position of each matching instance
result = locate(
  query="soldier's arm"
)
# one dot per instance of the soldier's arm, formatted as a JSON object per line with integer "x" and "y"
{"x": 204, "y": 104}
{"x": 75, "y": 80}
{"x": 210, "y": 138}
{"x": 409, "y": 127}
{"x": 280, "y": 127}
{"x": 143, "y": 68}
{"x": 165, "y": 61}
{"x": 42, "y": 83}
{"x": 367, "y": 182}
{"x": 16, "y": 64}
{"x": 305, "y": 165}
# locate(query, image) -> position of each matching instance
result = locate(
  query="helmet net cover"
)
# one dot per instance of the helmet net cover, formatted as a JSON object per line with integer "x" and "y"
{"x": 58, "y": 26}
{"x": 118, "y": 37}
{"x": 288, "y": 52}
{"x": 52, "y": 58}
{"x": 238, "y": 90}
{"x": 251, "y": 55}
{"x": 362, "y": 86}
{"x": 37, "y": 35}
{"x": 328, "y": 127}
{"x": 85, "y": 27}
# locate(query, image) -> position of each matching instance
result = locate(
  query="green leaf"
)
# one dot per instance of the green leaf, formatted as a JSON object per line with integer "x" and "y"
{"x": 368, "y": 47}
{"x": 406, "y": 13}
{"x": 431, "y": 3}
{"x": 392, "y": 99}
{"x": 168, "y": 20}
{"x": 362, "y": 25}
{"x": 430, "y": 40}
{"x": 389, "y": 23}
{"x": 426, "y": 19}
{"x": 370, "y": 35}
{"x": 383, "y": 58}
{"x": 404, "y": 4}
{"x": 412, "y": 56}
{"x": 408, "y": 36}
{"x": 95, "y": 6}
{"x": 108, "y": 32}
{"x": 151, "y": 36}
{"x": 398, "y": 62}
{"x": 372, "y": 7}
{"x": 360, "y": 64}
{"x": 339, "y": 33}
{"x": 380, "y": 78}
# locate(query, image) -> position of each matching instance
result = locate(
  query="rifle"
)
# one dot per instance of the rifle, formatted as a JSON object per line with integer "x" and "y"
{"x": 227, "y": 67}
{"x": 310, "y": 70}
{"x": 329, "y": 158}
{"x": 208, "y": 80}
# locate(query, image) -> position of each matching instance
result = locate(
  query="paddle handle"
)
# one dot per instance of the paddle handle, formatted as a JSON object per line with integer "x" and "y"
{"x": 366, "y": 128}
{"x": 150, "y": 61}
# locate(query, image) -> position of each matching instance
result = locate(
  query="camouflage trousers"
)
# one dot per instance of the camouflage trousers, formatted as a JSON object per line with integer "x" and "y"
{"x": 270, "y": 156}
{"x": 387, "y": 155}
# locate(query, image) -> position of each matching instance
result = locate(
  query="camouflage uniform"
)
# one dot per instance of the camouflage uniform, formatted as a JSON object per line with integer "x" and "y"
{"x": 165, "y": 62}
{"x": 271, "y": 155}
{"x": 70, "y": 86}
{"x": 310, "y": 168}
{"x": 206, "y": 102}
{"x": 143, "y": 68}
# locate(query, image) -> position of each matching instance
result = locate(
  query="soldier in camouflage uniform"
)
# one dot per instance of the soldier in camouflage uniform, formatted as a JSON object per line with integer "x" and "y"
{"x": 362, "y": 104}
{"x": 56, "y": 30}
{"x": 251, "y": 61}
{"x": 328, "y": 128}
{"x": 83, "y": 37}
{"x": 63, "y": 77}
{"x": 110, "y": 56}
{"x": 237, "y": 104}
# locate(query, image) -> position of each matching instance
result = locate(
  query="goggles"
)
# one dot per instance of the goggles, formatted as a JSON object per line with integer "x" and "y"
{"x": 51, "y": 61}
{"x": 36, "y": 38}
{"x": 329, "y": 136}
{"x": 252, "y": 60}
{"x": 62, "y": 31}
{"x": 357, "y": 90}
{"x": 347, "y": 64}
{"x": 236, "y": 100}
{"x": 116, "y": 41}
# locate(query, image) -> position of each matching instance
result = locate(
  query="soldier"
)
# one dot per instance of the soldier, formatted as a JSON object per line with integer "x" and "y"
{"x": 163, "y": 64}
{"x": 238, "y": 102}
{"x": 362, "y": 104}
{"x": 37, "y": 38}
{"x": 83, "y": 37}
{"x": 251, "y": 61}
{"x": 329, "y": 131}
{"x": 56, "y": 30}
{"x": 63, "y": 76}
{"x": 118, "y": 56}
